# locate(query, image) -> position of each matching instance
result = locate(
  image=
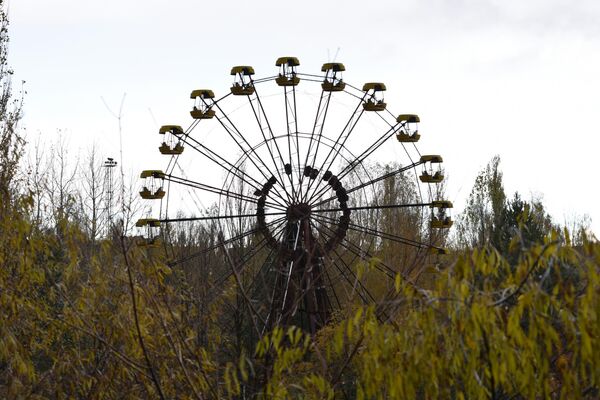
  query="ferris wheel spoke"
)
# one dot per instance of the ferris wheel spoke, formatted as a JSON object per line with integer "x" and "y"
{"x": 371, "y": 299}
{"x": 254, "y": 315}
{"x": 276, "y": 201}
{"x": 273, "y": 314}
{"x": 312, "y": 286}
{"x": 245, "y": 258}
{"x": 343, "y": 136}
{"x": 213, "y": 101}
{"x": 218, "y": 283}
{"x": 289, "y": 139}
{"x": 288, "y": 306}
{"x": 364, "y": 290}
{"x": 362, "y": 293}
{"x": 385, "y": 206}
{"x": 291, "y": 110}
{"x": 348, "y": 269}
{"x": 384, "y": 119}
{"x": 383, "y": 235}
{"x": 363, "y": 254}
{"x": 338, "y": 146}
{"x": 291, "y": 266}
{"x": 372, "y": 181}
{"x": 257, "y": 116}
{"x": 326, "y": 273}
{"x": 266, "y": 264}
{"x": 228, "y": 241}
{"x": 216, "y": 190}
{"x": 314, "y": 304}
{"x": 254, "y": 251}
{"x": 335, "y": 295}
{"x": 217, "y": 217}
{"x": 319, "y": 124}
{"x": 389, "y": 236}
{"x": 264, "y": 114}
{"x": 223, "y": 163}
{"x": 381, "y": 309}
{"x": 380, "y": 265}
{"x": 295, "y": 113}
{"x": 363, "y": 156}
{"x": 236, "y": 136}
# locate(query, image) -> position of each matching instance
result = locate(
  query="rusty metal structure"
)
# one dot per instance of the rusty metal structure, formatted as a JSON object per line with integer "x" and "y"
{"x": 301, "y": 207}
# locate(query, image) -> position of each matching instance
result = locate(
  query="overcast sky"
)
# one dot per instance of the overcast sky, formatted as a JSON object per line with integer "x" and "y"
{"x": 515, "y": 78}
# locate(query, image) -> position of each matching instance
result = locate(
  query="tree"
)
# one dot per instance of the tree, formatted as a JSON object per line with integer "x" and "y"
{"x": 11, "y": 143}
{"x": 527, "y": 221}
{"x": 91, "y": 195}
{"x": 490, "y": 219}
{"x": 483, "y": 214}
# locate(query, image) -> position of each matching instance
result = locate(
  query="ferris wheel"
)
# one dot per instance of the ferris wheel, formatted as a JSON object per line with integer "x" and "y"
{"x": 318, "y": 195}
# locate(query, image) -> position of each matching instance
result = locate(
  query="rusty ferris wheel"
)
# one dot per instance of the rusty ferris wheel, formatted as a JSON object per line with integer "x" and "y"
{"x": 295, "y": 192}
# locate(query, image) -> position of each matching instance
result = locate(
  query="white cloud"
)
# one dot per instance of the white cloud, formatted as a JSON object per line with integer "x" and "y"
{"x": 515, "y": 78}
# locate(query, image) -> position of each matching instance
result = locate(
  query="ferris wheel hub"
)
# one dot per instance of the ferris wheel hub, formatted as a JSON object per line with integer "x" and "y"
{"x": 298, "y": 212}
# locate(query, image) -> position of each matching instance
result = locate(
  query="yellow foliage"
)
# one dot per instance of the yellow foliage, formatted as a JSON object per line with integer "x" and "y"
{"x": 483, "y": 328}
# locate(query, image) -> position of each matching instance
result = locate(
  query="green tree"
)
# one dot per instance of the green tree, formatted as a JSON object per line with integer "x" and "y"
{"x": 487, "y": 329}
{"x": 484, "y": 213}
{"x": 490, "y": 219}
{"x": 11, "y": 143}
{"x": 528, "y": 222}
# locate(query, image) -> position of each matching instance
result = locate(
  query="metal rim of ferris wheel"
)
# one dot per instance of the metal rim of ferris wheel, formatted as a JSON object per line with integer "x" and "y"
{"x": 306, "y": 212}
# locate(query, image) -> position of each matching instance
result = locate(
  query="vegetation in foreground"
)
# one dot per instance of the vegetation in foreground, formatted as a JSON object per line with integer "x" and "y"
{"x": 117, "y": 324}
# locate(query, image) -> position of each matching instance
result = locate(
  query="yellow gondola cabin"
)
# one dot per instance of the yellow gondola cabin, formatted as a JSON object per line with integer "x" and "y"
{"x": 148, "y": 229}
{"x": 152, "y": 188}
{"x": 171, "y": 144}
{"x": 242, "y": 83}
{"x": 374, "y": 100}
{"x": 431, "y": 174}
{"x": 409, "y": 128}
{"x": 333, "y": 77}
{"x": 201, "y": 109}
{"x": 441, "y": 219}
{"x": 287, "y": 71}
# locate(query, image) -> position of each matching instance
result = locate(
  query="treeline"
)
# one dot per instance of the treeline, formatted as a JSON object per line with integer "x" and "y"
{"x": 512, "y": 312}
{"x": 101, "y": 318}
{"x": 68, "y": 186}
{"x": 492, "y": 218}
